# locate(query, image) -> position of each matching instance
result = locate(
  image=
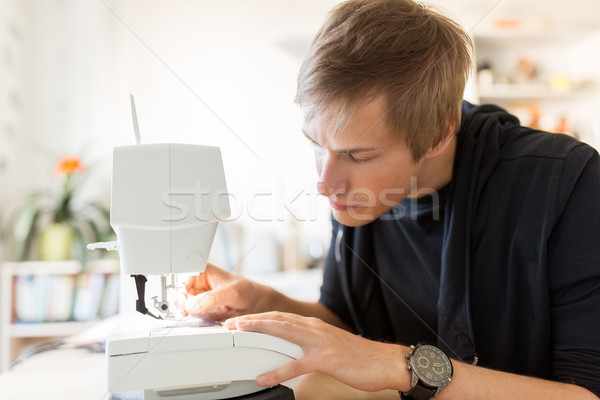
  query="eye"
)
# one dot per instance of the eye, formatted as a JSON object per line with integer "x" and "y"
{"x": 358, "y": 160}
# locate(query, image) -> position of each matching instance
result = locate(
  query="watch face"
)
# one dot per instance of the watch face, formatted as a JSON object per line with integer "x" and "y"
{"x": 431, "y": 365}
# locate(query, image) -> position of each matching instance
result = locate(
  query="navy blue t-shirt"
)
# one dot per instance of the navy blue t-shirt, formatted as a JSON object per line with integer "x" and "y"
{"x": 408, "y": 258}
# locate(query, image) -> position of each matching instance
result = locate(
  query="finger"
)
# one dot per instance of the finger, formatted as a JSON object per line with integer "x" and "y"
{"x": 201, "y": 303}
{"x": 205, "y": 280}
{"x": 232, "y": 323}
{"x": 281, "y": 316}
{"x": 288, "y": 371}
{"x": 216, "y": 276}
{"x": 219, "y": 314}
{"x": 211, "y": 303}
{"x": 283, "y": 329}
{"x": 197, "y": 284}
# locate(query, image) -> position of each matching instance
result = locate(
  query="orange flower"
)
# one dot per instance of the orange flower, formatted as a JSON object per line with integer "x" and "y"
{"x": 67, "y": 165}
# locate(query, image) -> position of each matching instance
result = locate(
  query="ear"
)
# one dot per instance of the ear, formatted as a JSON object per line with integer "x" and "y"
{"x": 443, "y": 145}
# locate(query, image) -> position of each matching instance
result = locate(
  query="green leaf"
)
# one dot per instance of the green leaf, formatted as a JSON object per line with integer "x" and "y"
{"x": 24, "y": 219}
{"x": 94, "y": 228}
{"x": 107, "y": 233}
{"x": 102, "y": 210}
{"x": 25, "y": 227}
{"x": 26, "y": 254}
{"x": 81, "y": 245}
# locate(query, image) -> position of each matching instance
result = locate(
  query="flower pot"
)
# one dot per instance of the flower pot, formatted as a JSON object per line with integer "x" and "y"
{"x": 55, "y": 243}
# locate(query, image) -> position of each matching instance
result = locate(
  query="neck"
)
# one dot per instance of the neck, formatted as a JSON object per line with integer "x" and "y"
{"x": 435, "y": 172}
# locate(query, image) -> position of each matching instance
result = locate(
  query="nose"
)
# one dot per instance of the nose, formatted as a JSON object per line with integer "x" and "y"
{"x": 332, "y": 179}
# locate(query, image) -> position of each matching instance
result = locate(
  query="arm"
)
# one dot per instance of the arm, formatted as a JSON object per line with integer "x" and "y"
{"x": 217, "y": 294}
{"x": 280, "y": 302}
{"x": 470, "y": 382}
{"x": 374, "y": 366}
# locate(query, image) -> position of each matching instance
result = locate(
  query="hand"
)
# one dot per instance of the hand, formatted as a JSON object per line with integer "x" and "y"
{"x": 216, "y": 294}
{"x": 360, "y": 363}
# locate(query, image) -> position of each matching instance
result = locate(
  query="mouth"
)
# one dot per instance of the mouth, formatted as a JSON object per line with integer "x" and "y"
{"x": 339, "y": 207}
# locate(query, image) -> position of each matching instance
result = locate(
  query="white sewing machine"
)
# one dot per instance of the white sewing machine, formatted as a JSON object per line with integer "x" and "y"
{"x": 166, "y": 201}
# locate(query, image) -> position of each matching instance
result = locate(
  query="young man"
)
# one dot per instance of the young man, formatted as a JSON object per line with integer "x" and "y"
{"x": 454, "y": 226}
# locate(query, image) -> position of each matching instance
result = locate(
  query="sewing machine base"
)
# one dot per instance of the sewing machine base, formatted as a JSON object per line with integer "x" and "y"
{"x": 275, "y": 393}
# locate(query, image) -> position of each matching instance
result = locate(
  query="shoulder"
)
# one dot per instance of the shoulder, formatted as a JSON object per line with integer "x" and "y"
{"x": 525, "y": 142}
{"x": 497, "y": 131}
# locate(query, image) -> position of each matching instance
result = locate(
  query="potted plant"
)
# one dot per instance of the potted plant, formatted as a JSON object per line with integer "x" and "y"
{"x": 59, "y": 221}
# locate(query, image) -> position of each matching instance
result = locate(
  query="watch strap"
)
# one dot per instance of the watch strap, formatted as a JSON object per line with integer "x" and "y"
{"x": 419, "y": 392}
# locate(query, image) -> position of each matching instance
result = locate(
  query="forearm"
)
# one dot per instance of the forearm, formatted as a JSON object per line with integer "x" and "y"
{"x": 471, "y": 382}
{"x": 279, "y": 302}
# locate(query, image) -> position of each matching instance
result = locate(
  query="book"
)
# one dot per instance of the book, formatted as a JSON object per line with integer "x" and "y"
{"x": 25, "y": 298}
{"x": 60, "y": 292}
{"x": 88, "y": 294}
{"x": 110, "y": 297}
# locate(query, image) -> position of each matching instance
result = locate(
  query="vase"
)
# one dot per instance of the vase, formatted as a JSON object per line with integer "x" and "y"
{"x": 55, "y": 242}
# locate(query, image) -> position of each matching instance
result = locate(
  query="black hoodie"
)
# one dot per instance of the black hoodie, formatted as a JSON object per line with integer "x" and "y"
{"x": 519, "y": 285}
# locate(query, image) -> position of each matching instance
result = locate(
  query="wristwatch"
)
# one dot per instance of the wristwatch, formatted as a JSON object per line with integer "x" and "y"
{"x": 430, "y": 369}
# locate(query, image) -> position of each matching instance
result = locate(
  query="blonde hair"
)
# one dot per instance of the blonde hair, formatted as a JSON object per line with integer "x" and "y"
{"x": 417, "y": 58}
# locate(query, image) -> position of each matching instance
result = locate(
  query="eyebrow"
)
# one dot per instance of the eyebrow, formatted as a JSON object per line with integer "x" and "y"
{"x": 343, "y": 151}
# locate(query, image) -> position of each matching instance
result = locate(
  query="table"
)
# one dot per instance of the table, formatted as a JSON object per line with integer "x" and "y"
{"x": 62, "y": 374}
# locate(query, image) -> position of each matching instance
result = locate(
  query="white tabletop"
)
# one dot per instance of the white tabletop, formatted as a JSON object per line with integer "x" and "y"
{"x": 63, "y": 374}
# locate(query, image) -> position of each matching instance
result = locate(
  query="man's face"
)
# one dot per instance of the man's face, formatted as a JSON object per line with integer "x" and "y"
{"x": 363, "y": 170}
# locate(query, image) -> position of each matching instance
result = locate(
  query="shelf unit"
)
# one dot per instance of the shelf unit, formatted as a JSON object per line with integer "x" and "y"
{"x": 15, "y": 337}
{"x": 534, "y": 91}
{"x": 556, "y": 53}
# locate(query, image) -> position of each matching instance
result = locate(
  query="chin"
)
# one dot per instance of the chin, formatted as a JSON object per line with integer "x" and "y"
{"x": 356, "y": 217}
